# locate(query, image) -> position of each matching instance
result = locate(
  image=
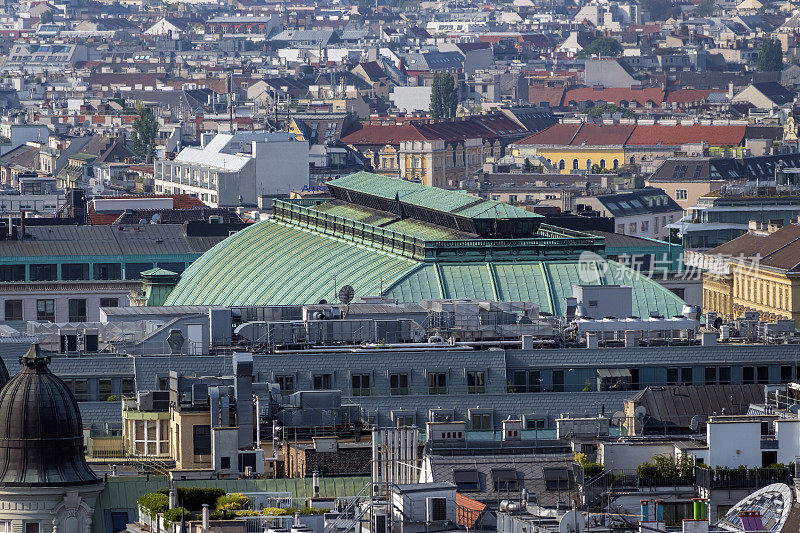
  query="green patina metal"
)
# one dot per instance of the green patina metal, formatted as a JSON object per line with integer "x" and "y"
{"x": 303, "y": 254}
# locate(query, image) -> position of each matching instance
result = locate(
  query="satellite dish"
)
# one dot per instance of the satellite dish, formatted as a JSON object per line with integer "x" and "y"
{"x": 717, "y": 322}
{"x": 794, "y": 408}
{"x": 346, "y": 294}
{"x": 694, "y": 424}
{"x": 98, "y": 189}
{"x": 618, "y": 418}
{"x": 572, "y": 522}
{"x": 156, "y": 218}
{"x": 142, "y": 222}
{"x": 640, "y": 412}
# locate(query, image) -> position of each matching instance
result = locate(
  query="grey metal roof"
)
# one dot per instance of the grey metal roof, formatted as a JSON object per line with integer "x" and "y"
{"x": 529, "y": 469}
{"x": 150, "y": 239}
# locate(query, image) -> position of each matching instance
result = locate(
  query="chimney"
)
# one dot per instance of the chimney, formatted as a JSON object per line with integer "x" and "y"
{"x": 21, "y": 224}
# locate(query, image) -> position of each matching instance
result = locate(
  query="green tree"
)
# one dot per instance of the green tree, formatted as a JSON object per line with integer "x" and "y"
{"x": 658, "y": 9}
{"x": 145, "y": 129}
{"x": 46, "y": 17}
{"x": 444, "y": 97}
{"x": 770, "y": 58}
{"x": 602, "y": 46}
{"x": 436, "y": 110}
{"x": 705, "y": 8}
{"x": 599, "y": 110}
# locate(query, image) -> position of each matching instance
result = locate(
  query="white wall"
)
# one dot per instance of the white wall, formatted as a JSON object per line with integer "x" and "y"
{"x": 411, "y": 98}
{"x": 734, "y": 443}
{"x": 787, "y": 433}
{"x": 281, "y": 166}
{"x": 629, "y": 455}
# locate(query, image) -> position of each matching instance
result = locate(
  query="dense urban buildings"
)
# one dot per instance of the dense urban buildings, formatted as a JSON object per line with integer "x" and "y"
{"x": 399, "y": 267}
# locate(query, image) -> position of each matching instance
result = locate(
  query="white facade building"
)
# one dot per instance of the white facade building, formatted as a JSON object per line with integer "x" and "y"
{"x": 229, "y": 166}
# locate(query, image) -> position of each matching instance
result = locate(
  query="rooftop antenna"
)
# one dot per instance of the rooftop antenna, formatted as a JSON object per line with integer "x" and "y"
{"x": 156, "y": 218}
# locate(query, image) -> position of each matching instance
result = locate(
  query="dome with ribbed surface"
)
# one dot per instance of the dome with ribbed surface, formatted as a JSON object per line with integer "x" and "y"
{"x": 41, "y": 433}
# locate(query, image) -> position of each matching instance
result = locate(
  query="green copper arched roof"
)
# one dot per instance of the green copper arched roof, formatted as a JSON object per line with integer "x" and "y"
{"x": 275, "y": 263}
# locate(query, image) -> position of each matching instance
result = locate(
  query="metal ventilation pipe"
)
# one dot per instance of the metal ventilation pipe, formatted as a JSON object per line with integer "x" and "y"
{"x": 205, "y": 526}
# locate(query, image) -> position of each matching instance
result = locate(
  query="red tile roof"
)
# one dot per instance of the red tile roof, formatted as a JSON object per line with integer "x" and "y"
{"x": 179, "y": 201}
{"x": 615, "y": 96}
{"x": 468, "y": 511}
{"x": 552, "y": 96}
{"x": 490, "y": 126}
{"x": 665, "y": 135}
{"x": 603, "y": 134}
{"x": 557, "y": 134}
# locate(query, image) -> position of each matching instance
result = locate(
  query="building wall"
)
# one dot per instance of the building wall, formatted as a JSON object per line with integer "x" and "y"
{"x": 182, "y": 438}
{"x": 304, "y": 461}
{"x": 585, "y": 157}
{"x": 629, "y": 455}
{"x": 770, "y": 292}
{"x": 718, "y": 295}
{"x": 733, "y": 444}
{"x": 685, "y": 193}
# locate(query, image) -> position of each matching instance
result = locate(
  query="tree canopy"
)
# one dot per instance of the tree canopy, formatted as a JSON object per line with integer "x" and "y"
{"x": 770, "y": 57}
{"x": 444, "y": 97}
{"x": 602, "y": 46}
{"x": 145, "y": 129}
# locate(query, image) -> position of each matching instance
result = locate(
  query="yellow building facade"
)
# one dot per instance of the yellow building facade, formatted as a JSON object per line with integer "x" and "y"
{"x": 568, "y": 159}
{"x": 773, "y": 293}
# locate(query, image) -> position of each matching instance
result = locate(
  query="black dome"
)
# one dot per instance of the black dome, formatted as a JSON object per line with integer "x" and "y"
{"x": 41, "y": 433}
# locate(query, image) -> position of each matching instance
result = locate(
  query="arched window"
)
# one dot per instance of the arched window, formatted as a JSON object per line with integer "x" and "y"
{"x": 616, "y": 164}
{"x": 588, "y": 164}
{"x": 562, "y": 165}
{"x": 602, "y": 163}
{"x": 574, "y": 164}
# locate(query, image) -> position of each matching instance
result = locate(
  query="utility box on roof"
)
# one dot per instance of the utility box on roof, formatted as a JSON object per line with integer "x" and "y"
{"x": 600, "y": 301}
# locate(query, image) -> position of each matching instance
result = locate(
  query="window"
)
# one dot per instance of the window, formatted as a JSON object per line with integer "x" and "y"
{"x": 466, "y": 480}
{"x": 13, "y": 310}
{"x": 504, "y": 479}
{"x": 80, "y": 387}
{"x": 481, "y": 421}
{"x": 602, "y": 163}
{"x": 762, "y": 373}
{"x": 74, "y": 271}
{"x": 562, "y": 165}
{"x": 46, "y": 310}
{"x": 558, "y": 381}
{"x": 724, "y": 375}
{"x": 632, "y": 227}
{"x": 620, "y": 228}
{"x": 201, "y": 436}
{"x": 437, "y": 383}
{"x": 711, "y": 375}
{"x": 686, "y": 376}
{"x": 556, "y": 479}
{"x": 574, "y": 164}
{"x": 681, "y": 194}
{"x": 476, "y": 382}
{"x": 403, "y": 420}
{"x": 225, "y": 462}
{"x": 672, "y": 376}
{"x": 103, "y": 389}
{"x": 77, "y": 310}
{"x": 107, "y": 271}
{"x": 323, "y": 381}
{"x": 645, "y": 226}
{"x": 748, "y": 375}
{"x": 31, "y": 527}
{"x": 616, "y": 164}
{"x": 786, "y": 374}
{"x": 360, "y": 384}
{"x": 286, "y": 384}
{"x": 128, "y": 385}
{"x": 134, "y": 270}
{"x": 178, "y": 268}
{"x": 109, "y": 302}
{"x": 526, "y": 381}
{"x": 12, "y": 273}
{"x": 588, "y": 164}
{"x": 45, "y": 272}
{"x": 398, "y": 384}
